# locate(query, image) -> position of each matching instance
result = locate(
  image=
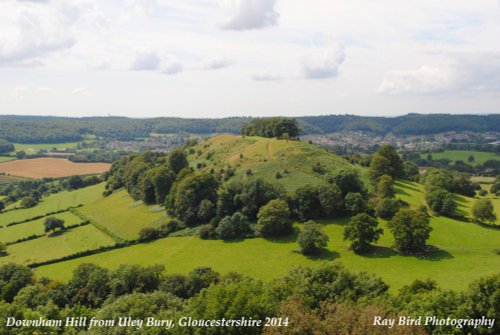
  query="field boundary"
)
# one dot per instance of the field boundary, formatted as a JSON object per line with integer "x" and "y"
{"x": 115, "y": 237}
{"x": 42, "y": 216}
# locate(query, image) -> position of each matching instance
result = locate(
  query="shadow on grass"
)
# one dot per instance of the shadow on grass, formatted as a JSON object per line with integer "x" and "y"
{"x": 435, "y": 254}
{"x": 402, "y": 192}
{"x": 378, "y": 252}
{"x": 407, "y": 186}
{"x": 324, "y": 255}
{"x": 291, "y": 238}
{"x": 486, "y": 225}
{"x": 56, "y": 233}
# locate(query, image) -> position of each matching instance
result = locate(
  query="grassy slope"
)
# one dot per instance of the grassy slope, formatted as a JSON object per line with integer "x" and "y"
{"x": 74, "y": 240}
{"x": 467, "y": 253}
{"x": 122, "y": 215}
{"x": 455, "y": 155}
{"x": 55, "y": 202}
{"x": 12, "y": 233}
{"x": 6, "y": 159}
{"x": 265, "y": 157}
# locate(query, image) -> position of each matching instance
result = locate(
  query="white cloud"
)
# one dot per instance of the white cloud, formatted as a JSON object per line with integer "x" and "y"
{"x": 20, "y": 92}
{"x": 171, "y": 66}
{"x": 267, "y": 76}
{"x": 250, "y": 14}
{"x": 464, "y": 74}
{"x": 217, "y": 63}
{"x": 145, "y": 60}
{"x": 43, "y": 90}
{"x": 80, "y": 91}
{"x": 424, "y": 80}
{"x": 32, "y": 33}
{"x": 322, "y": 63}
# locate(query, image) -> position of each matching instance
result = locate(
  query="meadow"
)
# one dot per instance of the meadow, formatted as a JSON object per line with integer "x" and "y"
{"x": 10, "y": 179}
{"x": 6, "y": 159}
{"x": 463, "y": 155}
{"x": 122, "y": 216}
{"x": 51, "y": 168}
{"x": 31, "y": 149}
{"x": 466, "y": 252}
{"x": 55, "y": 202}
{"x": 35, "y": 227}
{"x": 58, "y": 245}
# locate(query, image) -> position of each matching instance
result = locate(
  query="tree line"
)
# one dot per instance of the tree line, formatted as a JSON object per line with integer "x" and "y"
{"x": 327, "y": 299}
{"x": 37, "y": 129}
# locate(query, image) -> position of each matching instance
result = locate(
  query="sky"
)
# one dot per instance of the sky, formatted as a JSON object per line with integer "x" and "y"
{"x": 220, "y": 58}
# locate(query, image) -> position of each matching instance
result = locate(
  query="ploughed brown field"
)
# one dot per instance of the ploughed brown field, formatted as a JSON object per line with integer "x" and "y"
{"x": 51, "y": 168}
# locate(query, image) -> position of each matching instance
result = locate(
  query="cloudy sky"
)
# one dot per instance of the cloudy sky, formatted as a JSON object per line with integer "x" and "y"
{"x": 217, "y": 58}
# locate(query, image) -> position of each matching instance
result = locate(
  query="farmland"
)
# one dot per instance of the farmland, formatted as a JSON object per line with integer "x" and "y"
{"x": 6, "y": 159}
{"x": 469, "y": 245}
{"x": 50, "y": 247}
{"x": 35, "y": 227}
{"x": 31, "y": 149}
{"x": 121, "y": 215}
{"x": 50, "y": 168}
{"x": 10, "y": 179}
{"x": 463, "y": 155}
{"x": 55, "y": 202}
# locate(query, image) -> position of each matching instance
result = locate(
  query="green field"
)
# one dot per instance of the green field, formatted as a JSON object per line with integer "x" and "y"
{"x": 12, "y": 233}
{"x": 6, "y": 159}
{"x": 463, "y": 155}
{"x": 33, "y": 148}
{"x": 55, "y": 202}
{"x": 46, "y": 248}
{"x": 467, "y": 253}
{"x": 121, "y": 215}
{"x": 266, "y": 156}
{"x": 10, "y": 179}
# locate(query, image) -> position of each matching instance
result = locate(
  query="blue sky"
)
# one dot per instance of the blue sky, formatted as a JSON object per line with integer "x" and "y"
{"x": 217, "y": 58}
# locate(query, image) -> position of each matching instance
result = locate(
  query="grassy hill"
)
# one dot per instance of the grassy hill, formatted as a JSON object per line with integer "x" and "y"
{"x": 467, "y": 252}
{"x": 264, "y": 157}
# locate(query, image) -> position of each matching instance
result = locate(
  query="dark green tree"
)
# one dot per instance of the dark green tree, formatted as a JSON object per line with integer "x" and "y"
{"x": 190, "y": 193}
{"x": 312, "y": 238}
{"x": 234, "y": 226}
{"x": 362, "y": 230}
{"x": 411, "y": 230}
{"x": 483, "y": 211}
{"x": 177, "y": 160}
{"x": 442, "y": 202}
{"x": 355, "y": 204}
{"x": 52, "y": 224}
{"x": 386, "y": 208}
{"x": 274, "y": 219}
{"x": 385, "y": 187}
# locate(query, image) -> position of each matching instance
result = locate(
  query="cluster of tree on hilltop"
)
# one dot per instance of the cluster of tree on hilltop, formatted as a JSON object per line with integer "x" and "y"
{"x": 327, "y": 299}
{"x": 31, "y": 129}
{"x": 278, "y": 127}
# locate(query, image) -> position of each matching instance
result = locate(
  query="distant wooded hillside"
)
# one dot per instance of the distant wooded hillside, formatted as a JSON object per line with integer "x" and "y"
{"x": 40, "y": 129}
